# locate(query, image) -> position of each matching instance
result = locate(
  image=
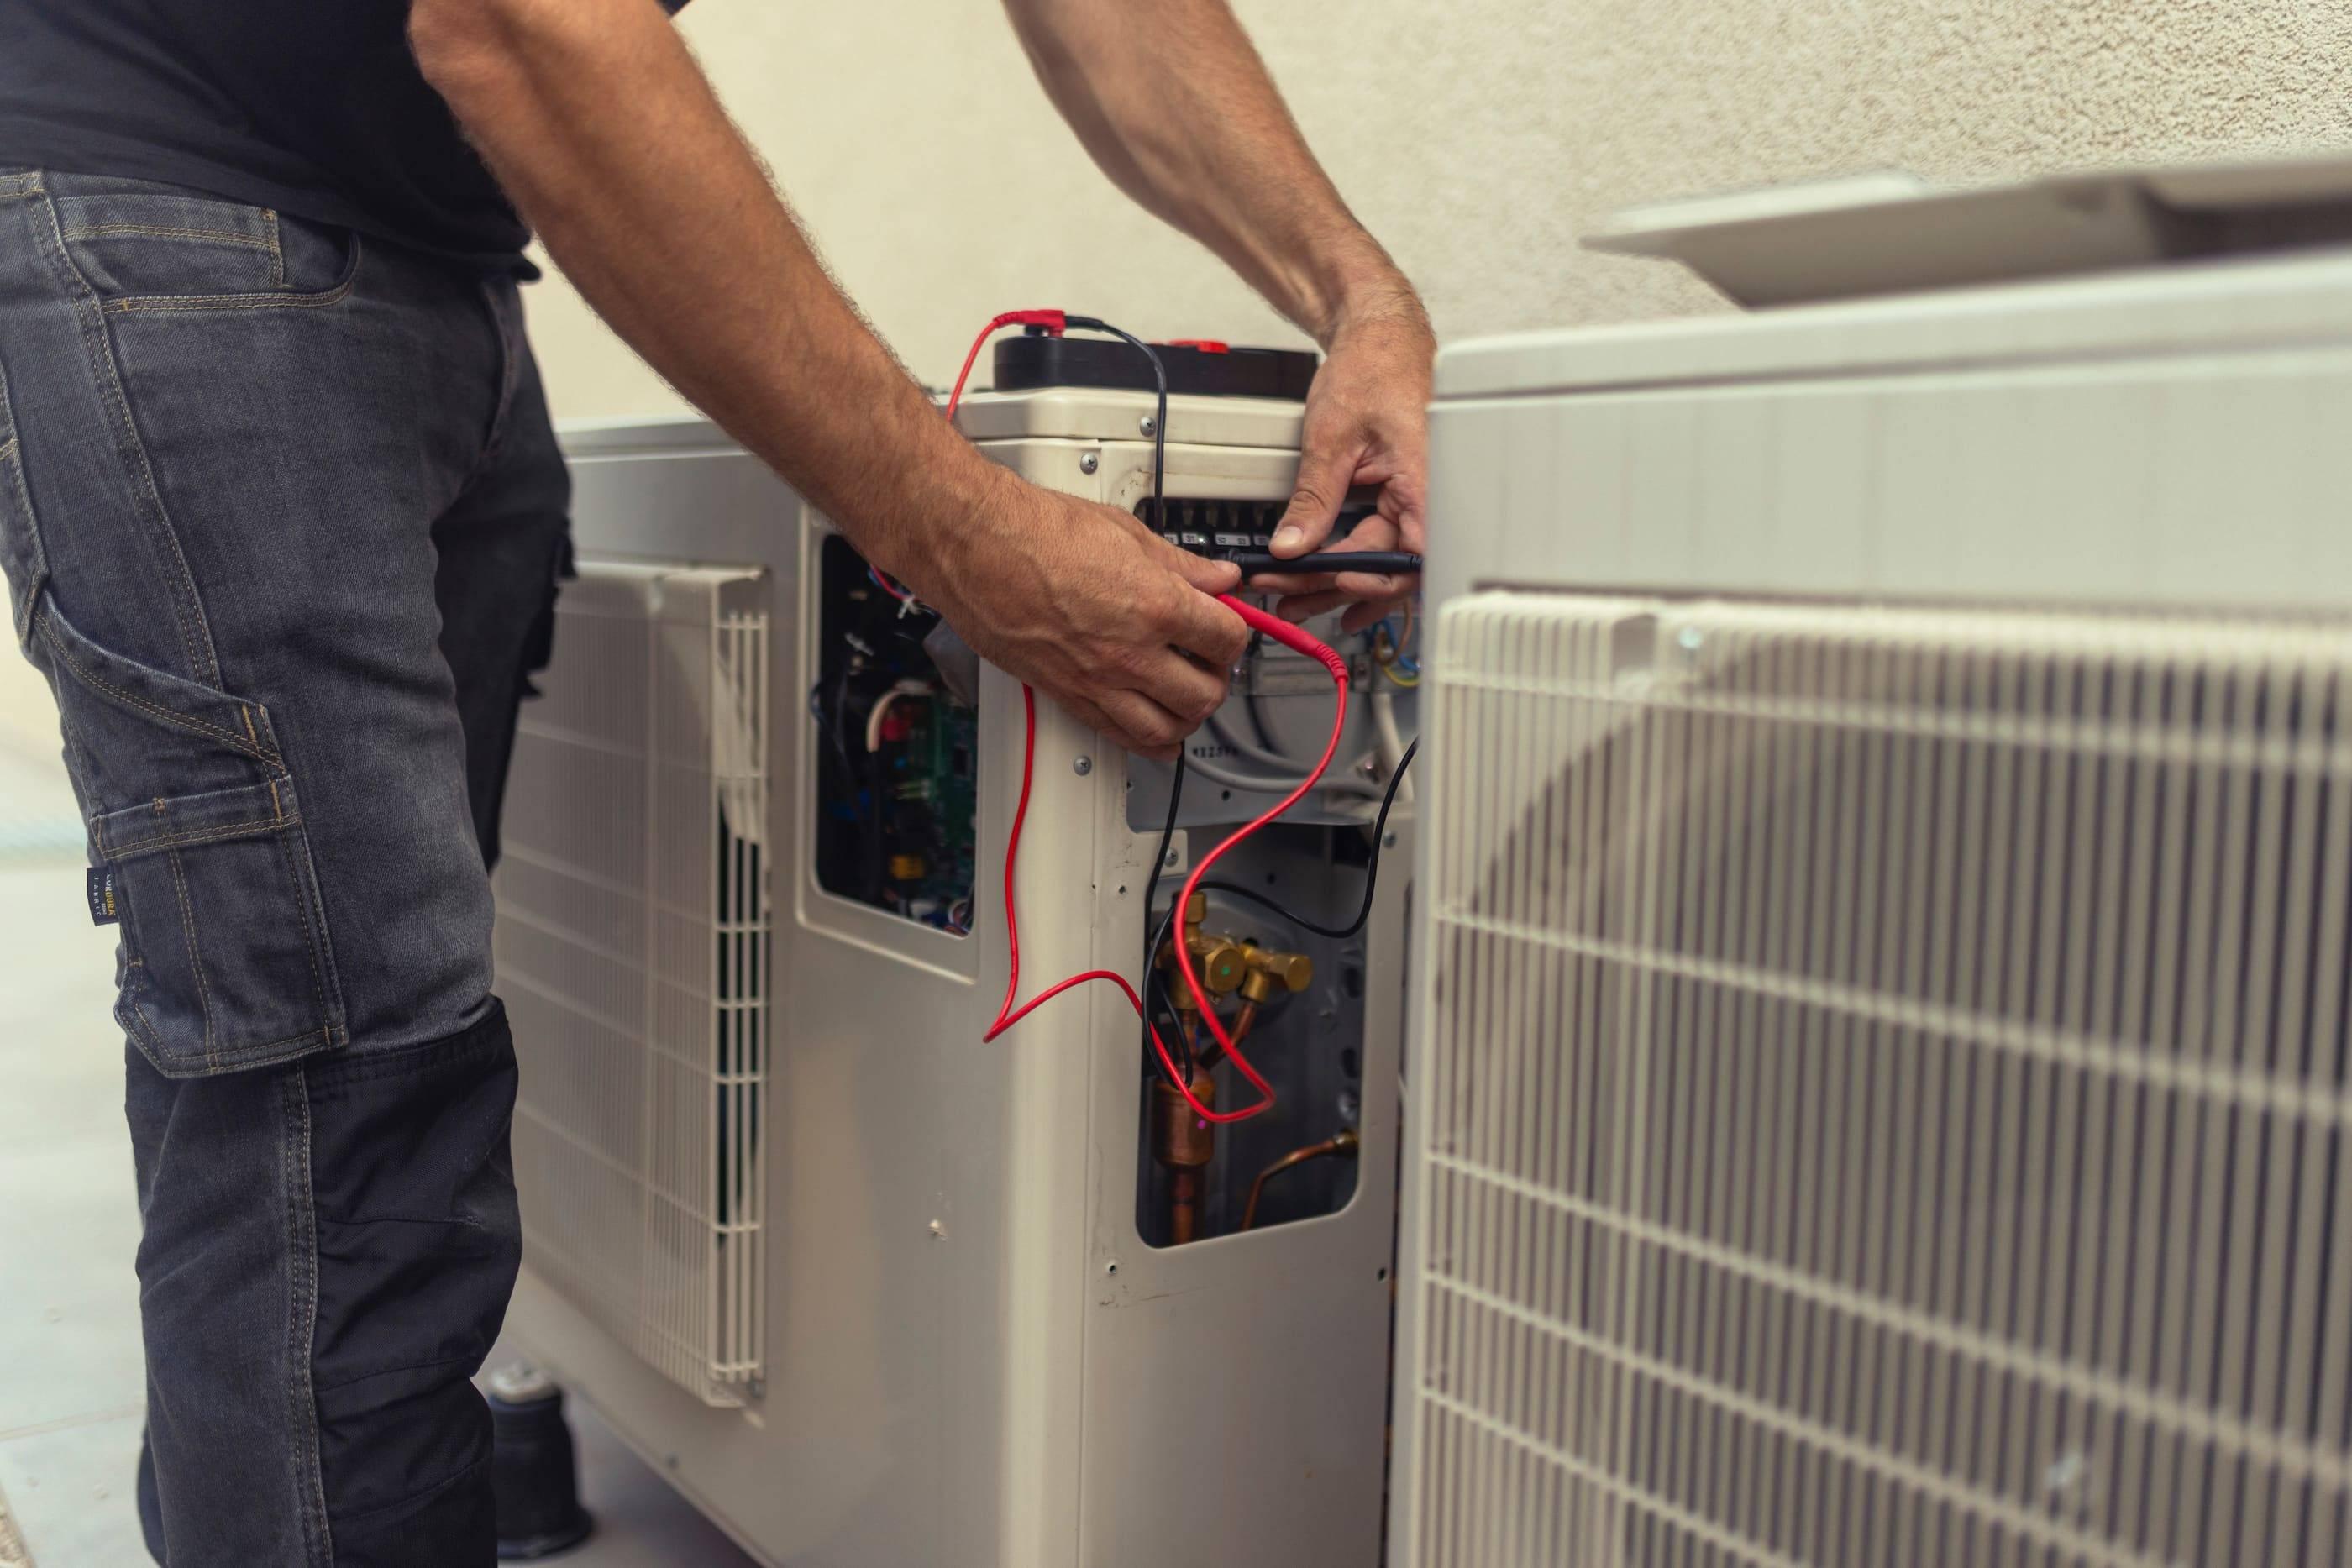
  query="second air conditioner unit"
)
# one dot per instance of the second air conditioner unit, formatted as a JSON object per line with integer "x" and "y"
{"x": 1881, "y": 1094}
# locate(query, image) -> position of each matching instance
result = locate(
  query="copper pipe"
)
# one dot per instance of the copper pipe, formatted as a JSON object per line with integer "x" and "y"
{"x": 1184, "y": 1144}
{"x": 1183, "y": 1207}
{"x": 1212, "y": 1053}
{"x": 1342, "y": 1142}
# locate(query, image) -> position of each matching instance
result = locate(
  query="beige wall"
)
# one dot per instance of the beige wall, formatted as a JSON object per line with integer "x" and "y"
{"x": 1475, "y": 137}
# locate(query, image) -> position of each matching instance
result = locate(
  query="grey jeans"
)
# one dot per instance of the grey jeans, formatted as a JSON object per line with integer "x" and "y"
{"x": 281, "y": 515}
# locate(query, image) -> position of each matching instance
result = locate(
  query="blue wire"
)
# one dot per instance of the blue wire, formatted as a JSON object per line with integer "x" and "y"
{"x": 1410, "y": 665}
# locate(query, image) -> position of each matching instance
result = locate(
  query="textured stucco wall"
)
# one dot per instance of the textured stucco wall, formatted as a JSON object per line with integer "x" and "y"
{"x": 1476, "y": 137}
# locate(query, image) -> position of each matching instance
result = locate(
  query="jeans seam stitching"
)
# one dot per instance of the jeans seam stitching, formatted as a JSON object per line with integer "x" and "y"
{"x": 277, "y": 250}
{"x": 244, "y": 1058}
{"x": 147, "y": 501}
{"x": 167, "y": 302}
{"x": 195, "y": 959}
{"x": 307, "y": 1035}
{"x": 164, "y": 304}
{"x": 184, "y": 721}
{"x": 161, "y": 231}
{"x": 146, "y": 1026}
{"x": 302, "y": 1321}
{"x": 309, "y": 938}
{"x": 122, "y": 848}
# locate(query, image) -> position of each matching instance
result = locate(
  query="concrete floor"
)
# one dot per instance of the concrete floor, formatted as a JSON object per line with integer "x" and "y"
{"x": 71, "y": 1388}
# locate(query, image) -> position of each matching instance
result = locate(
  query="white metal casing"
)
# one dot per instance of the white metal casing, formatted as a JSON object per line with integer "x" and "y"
{"x": 2169, "y": 436}
{"x": 969, "y": 1357}
{"x": 1930, "y": 525}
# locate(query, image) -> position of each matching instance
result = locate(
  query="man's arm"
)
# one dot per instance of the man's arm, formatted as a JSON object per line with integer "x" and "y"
{"x": 602, "y": 130}
{"x": 1177, "y": 108}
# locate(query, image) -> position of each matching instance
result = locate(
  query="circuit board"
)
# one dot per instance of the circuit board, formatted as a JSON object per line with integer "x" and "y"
{"x": 898, "y": 749}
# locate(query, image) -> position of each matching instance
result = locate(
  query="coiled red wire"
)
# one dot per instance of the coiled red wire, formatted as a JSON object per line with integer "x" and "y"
{"x": 1007, "y": 1015}
{"x": 1292, "y": 637}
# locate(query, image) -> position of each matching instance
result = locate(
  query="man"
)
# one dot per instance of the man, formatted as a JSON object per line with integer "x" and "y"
{"x": 281, "y": 513}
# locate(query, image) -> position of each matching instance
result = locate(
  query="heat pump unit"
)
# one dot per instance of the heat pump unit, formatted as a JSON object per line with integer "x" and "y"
{"x": 873, "y": 1294}
{"x": 1880, "y": 1095}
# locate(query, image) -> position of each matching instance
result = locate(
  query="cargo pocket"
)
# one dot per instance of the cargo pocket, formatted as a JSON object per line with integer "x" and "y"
{"x": 196, "y": 830}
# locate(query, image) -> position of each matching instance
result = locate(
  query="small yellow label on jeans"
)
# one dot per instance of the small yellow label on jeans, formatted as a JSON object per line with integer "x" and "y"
{"x": 103, "y": 911}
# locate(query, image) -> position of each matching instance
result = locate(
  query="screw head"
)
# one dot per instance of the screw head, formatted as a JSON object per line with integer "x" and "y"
{"x": 1082, "y": 766}
{"x": 1148, "y": 426}
{"x": 1089, "y": 461}
{"x": 1388, "y": 840}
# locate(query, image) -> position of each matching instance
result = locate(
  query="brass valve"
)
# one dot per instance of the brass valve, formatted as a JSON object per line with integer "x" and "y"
{"x": 1269, "y": 972}
{"x": 1220, "y": 962}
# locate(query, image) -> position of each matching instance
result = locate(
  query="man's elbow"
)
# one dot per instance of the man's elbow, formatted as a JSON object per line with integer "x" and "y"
{"x": 464, "y": 46}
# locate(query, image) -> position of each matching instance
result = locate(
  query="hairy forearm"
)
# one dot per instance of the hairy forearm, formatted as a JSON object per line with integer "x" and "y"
{"x": 1176, "y": 107}
{"x": 602, "y": 128}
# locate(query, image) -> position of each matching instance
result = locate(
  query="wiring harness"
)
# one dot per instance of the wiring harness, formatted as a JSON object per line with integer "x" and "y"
{"x": 1009, "y": 1011}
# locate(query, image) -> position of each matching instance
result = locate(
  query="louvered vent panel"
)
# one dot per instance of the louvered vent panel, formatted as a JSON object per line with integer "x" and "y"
{"x": 633, "y": 951}
{"x": 1884, "y": 1089}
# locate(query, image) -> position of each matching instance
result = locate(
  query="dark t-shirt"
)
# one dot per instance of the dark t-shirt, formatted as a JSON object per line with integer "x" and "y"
{"x": 314, "y": 107}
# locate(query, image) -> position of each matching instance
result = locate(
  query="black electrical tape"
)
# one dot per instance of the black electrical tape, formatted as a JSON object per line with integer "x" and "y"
{"x": 1384, "y": 563}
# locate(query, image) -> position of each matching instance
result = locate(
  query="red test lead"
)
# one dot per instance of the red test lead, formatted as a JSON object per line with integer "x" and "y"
{"x": 1007, "y": 1014}
{"x": 1053, "y": 322}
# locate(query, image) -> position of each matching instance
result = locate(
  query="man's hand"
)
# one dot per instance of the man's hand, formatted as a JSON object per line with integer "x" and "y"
{"x": 1087, "y": 605}
{"x": 1192, "y": 128}
{"x": 1367, "y": 424}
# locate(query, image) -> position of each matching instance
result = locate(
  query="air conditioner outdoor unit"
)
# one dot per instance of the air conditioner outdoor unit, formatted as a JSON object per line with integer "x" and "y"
{"x": 1880, "y": 1089}
{"x": 873, "y": 1294}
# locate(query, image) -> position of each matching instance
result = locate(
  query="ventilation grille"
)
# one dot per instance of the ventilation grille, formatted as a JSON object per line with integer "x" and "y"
{"x": 1886, "y": 1090}
{"x": 633, "y": 953}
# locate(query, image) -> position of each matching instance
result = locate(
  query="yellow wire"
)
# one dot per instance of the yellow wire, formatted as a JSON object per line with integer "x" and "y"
{"x": 1390, "y": 672}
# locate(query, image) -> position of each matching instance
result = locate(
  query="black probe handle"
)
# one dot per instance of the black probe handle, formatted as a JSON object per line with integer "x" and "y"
{"x": 1385, "y": 563}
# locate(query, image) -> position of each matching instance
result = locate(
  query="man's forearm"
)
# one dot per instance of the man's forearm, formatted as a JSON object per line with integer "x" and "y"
{"x": 604, "y": 133}
{"x": 1176, "y": 107}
